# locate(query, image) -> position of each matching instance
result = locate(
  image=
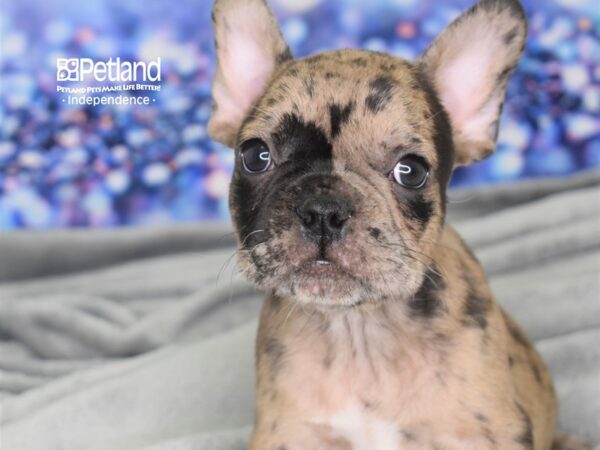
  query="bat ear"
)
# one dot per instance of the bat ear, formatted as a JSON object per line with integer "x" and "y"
{"x": 249, "y": 46}
{"x": 469, "y": 65}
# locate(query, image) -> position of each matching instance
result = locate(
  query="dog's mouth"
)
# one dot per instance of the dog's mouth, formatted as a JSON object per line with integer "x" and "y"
{"x": 345, "y": 272}
{"x": 325, "y": 280}
{"x": 321, "y": 268}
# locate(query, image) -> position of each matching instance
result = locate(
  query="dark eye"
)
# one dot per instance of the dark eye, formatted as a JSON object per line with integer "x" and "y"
{"x": 411, "y": 172}
{"x": 256, "y": 156}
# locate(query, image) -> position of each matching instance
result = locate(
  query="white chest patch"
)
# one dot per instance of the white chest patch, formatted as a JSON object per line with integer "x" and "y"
{"x": 362, "y": 430}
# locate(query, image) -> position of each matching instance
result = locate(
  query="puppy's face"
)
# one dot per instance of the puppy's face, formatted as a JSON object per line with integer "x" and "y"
{"x": 339, "y": 186}
{"x": 343, "y": 158}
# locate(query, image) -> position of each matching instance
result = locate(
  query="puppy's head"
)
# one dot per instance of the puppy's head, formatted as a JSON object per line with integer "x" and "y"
{"x": 343, "y": 158}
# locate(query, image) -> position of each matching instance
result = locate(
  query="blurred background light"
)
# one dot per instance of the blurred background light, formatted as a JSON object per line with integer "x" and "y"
{"x": 71, "y": 165}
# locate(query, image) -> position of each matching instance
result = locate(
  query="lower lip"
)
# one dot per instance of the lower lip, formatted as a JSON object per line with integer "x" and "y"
{"x": 321, "y": 268}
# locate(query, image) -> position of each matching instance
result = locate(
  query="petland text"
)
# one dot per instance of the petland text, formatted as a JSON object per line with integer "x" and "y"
{"x": 114, "y": 70}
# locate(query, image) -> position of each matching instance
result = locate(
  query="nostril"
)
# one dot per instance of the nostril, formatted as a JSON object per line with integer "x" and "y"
{"x": 310, "y": 219}
{"x": 307, "y": 216}
{"x": 337, "y": 220}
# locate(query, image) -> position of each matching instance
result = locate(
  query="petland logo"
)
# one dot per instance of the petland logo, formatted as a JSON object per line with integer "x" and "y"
{"x": 112, "y": 82}
{"x": 78, "y": 69}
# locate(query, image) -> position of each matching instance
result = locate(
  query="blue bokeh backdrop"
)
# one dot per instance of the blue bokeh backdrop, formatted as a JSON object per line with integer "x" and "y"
{"x": 70, "y": 166}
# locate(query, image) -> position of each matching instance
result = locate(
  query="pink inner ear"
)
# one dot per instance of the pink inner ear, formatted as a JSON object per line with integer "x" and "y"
{"x": 246, "y": 69}
{"x": 464, "y": 87}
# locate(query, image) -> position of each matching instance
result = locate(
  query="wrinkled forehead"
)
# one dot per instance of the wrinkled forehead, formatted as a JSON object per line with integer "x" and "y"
{"x": 345, "y": 104}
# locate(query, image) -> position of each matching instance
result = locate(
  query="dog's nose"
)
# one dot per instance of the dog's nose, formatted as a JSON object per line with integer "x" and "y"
{"x": 324, "y": 217}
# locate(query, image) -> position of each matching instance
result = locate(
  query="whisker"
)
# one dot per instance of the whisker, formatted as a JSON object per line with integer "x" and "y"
{"x": 224, "y": 266}
{"x": 293, "y": 306}
{"x": 250, "y": 234}
{"x": 219, "y": 239}
{"x": 236, "y": 252}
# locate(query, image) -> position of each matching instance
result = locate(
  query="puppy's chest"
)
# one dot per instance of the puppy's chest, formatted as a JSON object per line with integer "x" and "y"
{"x": 360, "y": 370}
{"x": 370, "y": 386}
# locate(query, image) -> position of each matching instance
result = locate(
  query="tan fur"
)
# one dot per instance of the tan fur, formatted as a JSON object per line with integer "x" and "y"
{"x": 432, "y": 383}
{"x": 343, "y": 360}
{"x": 565, "y": 442}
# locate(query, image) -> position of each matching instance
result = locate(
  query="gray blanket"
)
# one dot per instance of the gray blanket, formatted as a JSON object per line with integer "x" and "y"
{"x": 143, "y": 339}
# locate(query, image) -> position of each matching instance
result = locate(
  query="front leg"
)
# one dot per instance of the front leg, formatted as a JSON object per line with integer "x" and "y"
{"x": 277, "y": 434}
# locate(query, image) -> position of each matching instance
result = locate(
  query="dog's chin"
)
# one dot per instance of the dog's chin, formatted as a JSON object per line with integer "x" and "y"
{"x": 323, "y": 283}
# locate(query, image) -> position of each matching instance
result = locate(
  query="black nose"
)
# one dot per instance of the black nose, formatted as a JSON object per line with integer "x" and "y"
{"x": 324, "y": 217}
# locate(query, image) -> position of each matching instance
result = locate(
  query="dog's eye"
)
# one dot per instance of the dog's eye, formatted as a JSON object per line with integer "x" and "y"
{"x": 256, "y": 156}
{"x": 411, "y": 172}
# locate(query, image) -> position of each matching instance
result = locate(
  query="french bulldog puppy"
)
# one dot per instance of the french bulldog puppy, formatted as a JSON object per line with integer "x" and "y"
{"x": 379, "y": 330}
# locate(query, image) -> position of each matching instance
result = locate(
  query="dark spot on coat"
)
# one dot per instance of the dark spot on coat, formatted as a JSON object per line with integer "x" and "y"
{"x": 359, "y": 62}
{"x": 387, "y": 66}
{"x": 482, "y": 418}
{"x": 374, "y": 232}
{"x": 503, "y": 76}
{"x": 419, "y": 209}
{"x": 511, "y": 361}
{"x": 407, "y": 435}
{"x": 367, "y": 404}
{"x": 284, "y": 56}
{"x": 441, "y": 338}
{"x": 476, "y": 309}
{"x": 514, "y": 6}
{"x": 426, "y": 303}
{"x": 536, "y": 373}
{"x": 380, "y": 93}
{"x": 275, "y": 352}
{"x": 493, "y": 129}
{"x": 516, "y": 333}
{"x": 299, "y": 140}
{"x": 314, "y": 58}
{"x": 339, "y": 116}
{"x": 526, "y": 436}
{"x": 254, "y": 114}
{"x": 328, "y": 359}
{"x": 244, "y": 213}
{"x": 442, "y": 132}
{"x": 489, "y": 436}
{"x": 484, "y": 421}
{"x": 510, "y": 36}
{"x": 517, "y": 10}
